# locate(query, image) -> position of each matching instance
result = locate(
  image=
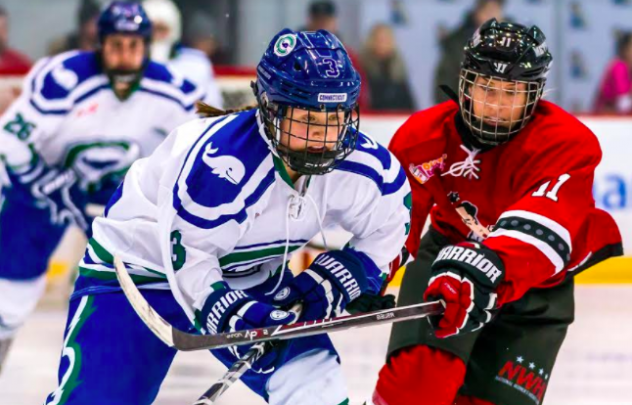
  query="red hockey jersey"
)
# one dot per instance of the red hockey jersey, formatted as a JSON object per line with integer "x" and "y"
{"x": 530, "y": 199}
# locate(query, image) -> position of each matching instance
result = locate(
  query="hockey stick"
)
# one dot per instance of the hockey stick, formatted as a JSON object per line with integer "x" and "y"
{"x": 234, "y": 373}
{"x": 187, "y": 341}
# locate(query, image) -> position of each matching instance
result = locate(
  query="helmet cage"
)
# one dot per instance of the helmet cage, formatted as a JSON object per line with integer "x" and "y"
{"x": 330, "y": 153}
{"x": 503, "y": 129}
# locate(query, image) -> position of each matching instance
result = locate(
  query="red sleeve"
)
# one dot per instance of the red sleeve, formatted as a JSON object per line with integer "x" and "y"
{"x": 422, "y": 199}
{"x": 534, "y": 236}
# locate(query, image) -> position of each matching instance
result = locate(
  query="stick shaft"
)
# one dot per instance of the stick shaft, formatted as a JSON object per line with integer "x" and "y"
{"x": 187, "y": 341}
{"x": 234, "y": 373}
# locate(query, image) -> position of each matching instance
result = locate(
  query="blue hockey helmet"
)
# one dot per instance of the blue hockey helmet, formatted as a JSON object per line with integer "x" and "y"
{"x": 121, "y": 17}
{"x": 310, "y": 71}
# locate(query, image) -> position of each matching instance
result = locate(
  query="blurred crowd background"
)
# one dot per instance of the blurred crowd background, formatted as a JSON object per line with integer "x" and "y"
{"x": 403, "y": 48}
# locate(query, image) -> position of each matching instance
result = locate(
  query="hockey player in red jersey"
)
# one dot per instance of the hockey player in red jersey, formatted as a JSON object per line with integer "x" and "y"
{"x": 507, "y": 180}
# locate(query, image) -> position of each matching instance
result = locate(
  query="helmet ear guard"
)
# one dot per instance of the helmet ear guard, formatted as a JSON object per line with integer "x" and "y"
{"x": 505, "y": 53}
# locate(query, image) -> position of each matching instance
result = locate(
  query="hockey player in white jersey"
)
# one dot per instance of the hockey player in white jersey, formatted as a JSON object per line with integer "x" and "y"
{"x": 82, "y": 119}
{"x": 167, "y": 48}
{"x": 206, "y": 225}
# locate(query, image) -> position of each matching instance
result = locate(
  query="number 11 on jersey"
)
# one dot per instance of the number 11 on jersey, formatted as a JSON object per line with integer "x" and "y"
{"x": 552, "y": 194}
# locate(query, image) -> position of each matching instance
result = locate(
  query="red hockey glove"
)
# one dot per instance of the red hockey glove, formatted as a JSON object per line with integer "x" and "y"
{"x": 465, "y": 277}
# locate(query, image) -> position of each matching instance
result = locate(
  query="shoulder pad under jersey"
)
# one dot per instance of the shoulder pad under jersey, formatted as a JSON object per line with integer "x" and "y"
{"x": 375, "y": 162}
{"x": 59, "y": 82}
{"x": 164, "y": 82}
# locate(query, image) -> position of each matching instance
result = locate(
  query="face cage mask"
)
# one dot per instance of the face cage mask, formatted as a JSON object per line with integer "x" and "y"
{"x": 503, "y": 129}
{"x": 318, "y": 159}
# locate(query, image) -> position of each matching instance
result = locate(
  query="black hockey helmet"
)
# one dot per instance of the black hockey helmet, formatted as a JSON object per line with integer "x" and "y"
{"x": 502, "y": 52}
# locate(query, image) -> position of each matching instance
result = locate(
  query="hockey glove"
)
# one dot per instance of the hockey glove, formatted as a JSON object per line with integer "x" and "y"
{"x": 227, "y": 311}
{"x": 465, "y": 277}
{"x": 368, "y": 302}
{"x": 52, "y": 189}
{"x": 327, "y": 286}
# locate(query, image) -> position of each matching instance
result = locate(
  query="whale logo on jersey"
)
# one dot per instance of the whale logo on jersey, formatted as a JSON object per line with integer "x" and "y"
{"x": 369, "y": 142}
{"x": 226, "y": 167}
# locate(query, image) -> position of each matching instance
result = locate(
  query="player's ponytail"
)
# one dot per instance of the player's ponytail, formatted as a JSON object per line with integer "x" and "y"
{"x": 206, "y": 111}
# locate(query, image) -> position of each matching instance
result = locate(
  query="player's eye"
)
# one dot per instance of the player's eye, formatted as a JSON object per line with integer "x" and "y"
{"x": 303, "y": 120}
{"x": 310, "y": 119}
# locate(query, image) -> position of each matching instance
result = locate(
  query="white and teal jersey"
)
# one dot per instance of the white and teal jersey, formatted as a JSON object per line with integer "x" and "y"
{"x": 198, "y": 69}
{"x": 69, "y": 115}
{"x": 214, "y": 203}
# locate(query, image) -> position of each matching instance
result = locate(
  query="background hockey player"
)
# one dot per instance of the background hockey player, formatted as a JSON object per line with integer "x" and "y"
{"x": 206, "y": 225}
{"x": 514, "y": 220}
{"x": 166, "y": 48}
{"x": 82, "y": 119}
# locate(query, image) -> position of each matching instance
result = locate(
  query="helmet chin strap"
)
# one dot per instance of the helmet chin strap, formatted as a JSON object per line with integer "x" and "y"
{"x": 448, "y": 91}
{"x": 483, "y": 128}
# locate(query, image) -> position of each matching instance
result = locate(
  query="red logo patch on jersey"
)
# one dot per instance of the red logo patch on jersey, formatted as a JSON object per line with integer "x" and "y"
{"x": 425, "y": 171}
{"x": 91, "y": 109}
{"x": 528, "y": 378}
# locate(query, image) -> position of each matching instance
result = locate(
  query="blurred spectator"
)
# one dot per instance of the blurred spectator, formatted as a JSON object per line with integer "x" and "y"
{"x": 385, "y": 71}
{"x": 202, "y": 36}
{"x": 85, "y": 36}
{"x": 11, "y": 61}
{"x": 447, "y": 72}
{"x": 322, "y": 15}
{"x": 166, "y": 48}
{"x": 615, "y": 91}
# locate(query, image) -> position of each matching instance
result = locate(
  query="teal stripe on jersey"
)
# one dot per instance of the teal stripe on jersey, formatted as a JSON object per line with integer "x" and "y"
{"x": 110, "y": 275}
{"x": 101, "y": 252}
{"x": 235, "y": 258}
{"x": 105, "y": 273}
